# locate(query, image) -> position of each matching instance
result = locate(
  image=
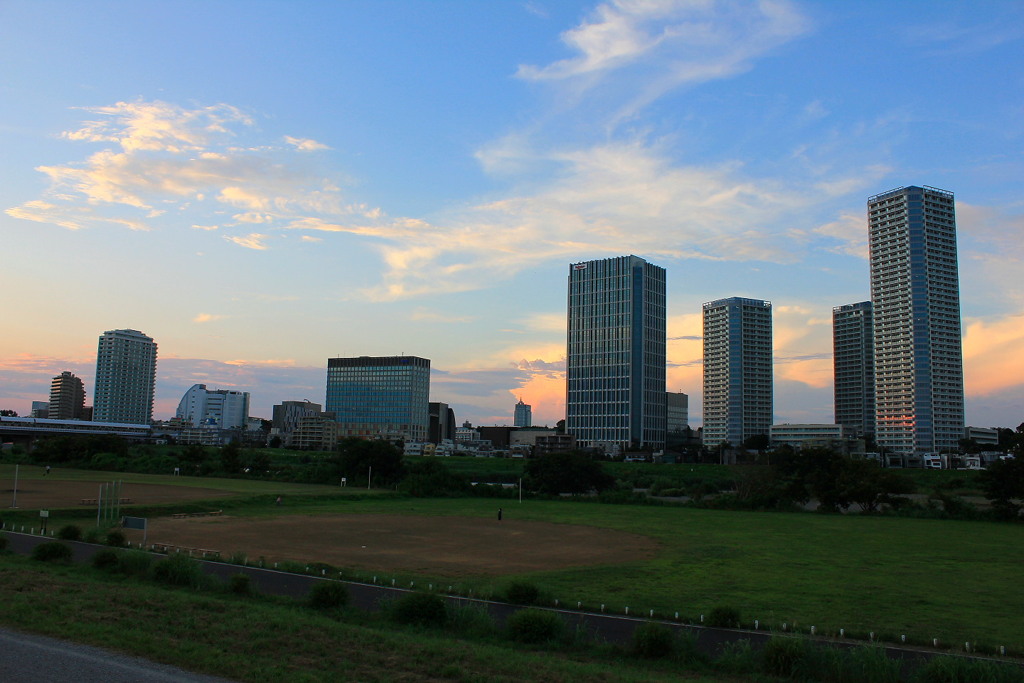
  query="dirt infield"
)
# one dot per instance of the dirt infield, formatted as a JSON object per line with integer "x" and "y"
{"x": 51, "y": 493}
{"x": 439, "y": 546}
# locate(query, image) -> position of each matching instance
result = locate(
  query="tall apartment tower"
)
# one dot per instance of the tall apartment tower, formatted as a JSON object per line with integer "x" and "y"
{"x": 915, "y": 291}
{"x": 125, "y": 377}
{"x": 737, "y": 370}
{"x": 382, "y": 397}
{"x": 523, "y": 416}
{"x": 853, "y": 364}
{"x": 67, "y": 397}
{"x": 615, "y": 361}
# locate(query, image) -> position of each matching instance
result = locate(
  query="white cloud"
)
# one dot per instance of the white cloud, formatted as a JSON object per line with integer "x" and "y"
{"x": 251, "y": 241}
{"x": 162, "y": 156}
{"x": 206, "y": 318}
{"x": 668, "y": 43}
{"x": 305, "y": 144}
{"x": 607, "y": 199}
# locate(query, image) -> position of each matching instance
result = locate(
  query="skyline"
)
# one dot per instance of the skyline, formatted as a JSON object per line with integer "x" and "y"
{"x": 263, "y": 186}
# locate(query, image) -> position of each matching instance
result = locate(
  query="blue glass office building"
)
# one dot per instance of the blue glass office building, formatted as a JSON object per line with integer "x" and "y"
{"x": 615, "y": 360}
{"x": 915, "y": 293}
{"x": 738, "y": 387}
{"x": 383, "y": 397}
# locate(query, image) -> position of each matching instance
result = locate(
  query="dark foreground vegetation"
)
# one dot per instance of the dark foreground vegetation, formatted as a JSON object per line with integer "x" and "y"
{"x": 782, "y": 480}
{"x": 169, "y": 611}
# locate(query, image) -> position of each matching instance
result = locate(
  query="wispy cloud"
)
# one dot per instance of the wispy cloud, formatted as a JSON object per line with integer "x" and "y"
{"x": 206, "y": 318}
{"x": 251, "y": 241}
{"x": 651, "y": 48}
{"x": 305, "y": 144}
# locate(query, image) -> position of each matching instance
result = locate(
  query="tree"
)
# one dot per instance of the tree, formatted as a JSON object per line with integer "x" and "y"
{"x": 573, "y": 473}
{"x": 231, "y": 457}
{"x": 8, "y": 413}
{"x": 757, "y": 442}
{"x": 1003, "y": 483}
{"x": 431, "y": 478}
{"x": 359, "y": 458}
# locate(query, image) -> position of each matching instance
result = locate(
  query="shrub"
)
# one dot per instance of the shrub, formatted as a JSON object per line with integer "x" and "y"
{"x": 724, "y": 617}
{"x": 534, "y": 626}
{"x": 652, "y": 640}
{"x": 134, "y": 562}
{"x": 93, "y": 535}
{"x": 328, "y": 595}
{"x": 70, "y": 532}
{"x": 421, "y": 609}
{"x": 116, "y": 538}
{"x": 963, "y": 670}
{"x": 471, "y": 620}
{"x": 106, "y": 560}
{"x": 3, "y": 542}
{"x": 783, "y": 656}
{"x": 179, "y": 570}
{"x": 522, "y": 593}
{"x": 738, "y": 657}
{"x": 52, "y": 551}
{"x": 240, "y": 584}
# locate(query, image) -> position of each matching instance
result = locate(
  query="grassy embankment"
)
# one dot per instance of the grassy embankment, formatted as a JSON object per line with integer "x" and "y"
{"x": 267, "y": 640}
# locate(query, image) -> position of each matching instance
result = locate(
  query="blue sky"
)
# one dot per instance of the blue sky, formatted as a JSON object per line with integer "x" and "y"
{"x": 262, "y": 185}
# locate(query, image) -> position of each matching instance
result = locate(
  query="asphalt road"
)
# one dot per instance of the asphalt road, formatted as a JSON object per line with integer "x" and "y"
{"x": 36, "y": 659}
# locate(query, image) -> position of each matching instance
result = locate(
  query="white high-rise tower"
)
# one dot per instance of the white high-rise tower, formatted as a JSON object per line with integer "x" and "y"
{"x": 125, "y": 377}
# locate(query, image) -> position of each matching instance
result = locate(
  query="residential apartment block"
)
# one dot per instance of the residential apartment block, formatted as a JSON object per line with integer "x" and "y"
{"x": 738, "y": 386}
{"x": 915, "y": 293}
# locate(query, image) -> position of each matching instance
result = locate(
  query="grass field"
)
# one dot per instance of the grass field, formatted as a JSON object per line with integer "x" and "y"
{"x": 956, "y": 581}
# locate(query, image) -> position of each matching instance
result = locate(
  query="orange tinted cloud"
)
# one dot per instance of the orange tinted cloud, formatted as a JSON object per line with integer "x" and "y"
{"x": 994, "y": 355}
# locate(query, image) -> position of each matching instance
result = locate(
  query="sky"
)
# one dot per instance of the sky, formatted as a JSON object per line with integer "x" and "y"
{"x": 262, "y": 185}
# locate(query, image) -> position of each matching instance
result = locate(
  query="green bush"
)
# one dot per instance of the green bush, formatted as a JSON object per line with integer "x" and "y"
{"x": 94, "y": 535}
{"x": 116, "y": 538}
{"x": 106, "y": 560}
{"x": 3, "y": 542}
{"x": 471, "y": 620}
{"x": 522, "y": 593}
{"x": 240, "y": 584}
{"x": 856, "y": 665}
{"x": 420, "y": 609}
{"x": 653, "y": 641}
{"x": 52, "y": 551}
{"x": 784, "y": 657}
{"x": 70, "y": 532}
{"x": 134, "y": 562}
{"x": 535, "y": 626}
{"x": 328, "y": 595}
{"x": 738, "y": 657}
{"x": 179, "y": 570}
{"x": 724, "y": 617}
{"x": 963, "y": 670}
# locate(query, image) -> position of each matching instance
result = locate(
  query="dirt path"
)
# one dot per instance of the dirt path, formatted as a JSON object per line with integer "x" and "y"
{"x": 444, "y": 546}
